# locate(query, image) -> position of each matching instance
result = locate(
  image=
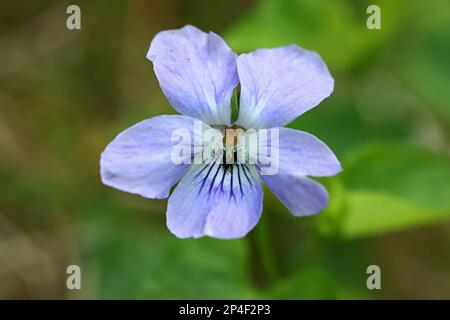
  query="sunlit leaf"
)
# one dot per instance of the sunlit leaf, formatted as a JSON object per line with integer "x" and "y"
{"x": 370, "y": 213}
{"x": 390, "y": 187}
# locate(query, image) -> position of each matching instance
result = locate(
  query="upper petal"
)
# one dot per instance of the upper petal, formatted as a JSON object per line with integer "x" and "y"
{"x": 212, "y": 201}
{"x": 280, "y": 84}
{"x": 139, "y": 160}
{"x": 196, "y": 71}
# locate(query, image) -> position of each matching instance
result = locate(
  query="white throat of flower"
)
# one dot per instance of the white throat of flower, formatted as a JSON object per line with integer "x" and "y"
{"x": 228, "y": 146}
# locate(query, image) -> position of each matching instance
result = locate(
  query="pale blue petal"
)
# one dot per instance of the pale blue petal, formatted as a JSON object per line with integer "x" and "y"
{"x": 196, "y": 71}
{"x": 297, "y": 152}
{"x": 215, "y": 202}
{"x": 139, "y": 159}
{"x": 301, "y": 195}
{"x": 280, "y": 84}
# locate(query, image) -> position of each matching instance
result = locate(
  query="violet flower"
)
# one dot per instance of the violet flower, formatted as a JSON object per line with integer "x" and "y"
{"x": 198, "y": 73}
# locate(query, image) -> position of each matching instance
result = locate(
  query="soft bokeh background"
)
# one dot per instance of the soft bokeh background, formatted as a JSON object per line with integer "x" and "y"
{"x": 65, "y": 94}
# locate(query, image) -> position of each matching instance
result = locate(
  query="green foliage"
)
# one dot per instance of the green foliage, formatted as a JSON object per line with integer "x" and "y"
{"x": 312, "y": 282}
{"x": 201, "y": 269}
{"x": 368, "y": 213}
{"x": 142, "y": 262}
{"x": 412, "y": 173}
{"x": 336, "y": 29}
{"x": 388, "y": 187}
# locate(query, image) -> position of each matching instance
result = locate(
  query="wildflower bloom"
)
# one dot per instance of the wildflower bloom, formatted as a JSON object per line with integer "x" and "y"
{"x": 198, "y": 73}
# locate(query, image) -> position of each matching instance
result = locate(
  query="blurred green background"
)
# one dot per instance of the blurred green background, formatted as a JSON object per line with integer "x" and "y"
{"x": 65, "y": 94}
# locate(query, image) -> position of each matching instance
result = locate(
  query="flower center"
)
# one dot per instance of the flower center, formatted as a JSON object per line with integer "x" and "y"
{"x": 230, "y": 145}
{"x": 230, "y": 137}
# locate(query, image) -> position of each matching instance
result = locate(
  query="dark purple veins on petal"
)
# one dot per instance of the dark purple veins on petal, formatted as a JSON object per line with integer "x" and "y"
{"x": 213, "y": 180}
{"x": 205, "y": 178}
{"x": 231, "y": 183}
{"x": 240, "y": 182}
{"x": 244, "y": 168}
{"x": 203, "y": 169}
{"x": 236, "y": 178}
{"x": 223, "y": 179}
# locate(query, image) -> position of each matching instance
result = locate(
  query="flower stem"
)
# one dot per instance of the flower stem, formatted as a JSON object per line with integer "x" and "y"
{"x": 264, "y": 259}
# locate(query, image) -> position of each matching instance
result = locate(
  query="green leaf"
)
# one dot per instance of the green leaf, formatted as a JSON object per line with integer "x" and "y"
{"x": 235, "y": 103}
{"x": 409, "y": 172}
{"x": 389, "y": 187}
{"x": 371, "y": 213}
